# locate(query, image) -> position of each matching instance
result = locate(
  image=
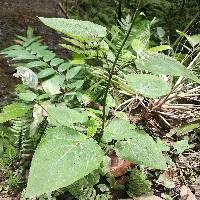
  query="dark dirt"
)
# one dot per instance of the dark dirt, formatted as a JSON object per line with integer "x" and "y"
{"x": 15, "y": 17}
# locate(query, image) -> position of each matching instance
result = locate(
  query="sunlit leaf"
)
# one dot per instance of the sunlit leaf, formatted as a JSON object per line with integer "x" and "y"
{"x": 181, "y": 146}
{"x": 52, "y": 85}
{"x": 64, "y": 66}
{"x": 118, "y": 129}
{"x": 73, "y": 72}
{"x": 27, "y": 96}
{"x": 62, "y": 115}
{"x": 162, "y": 64}
{"x": 46, "y": 72}
{"x": 28, "y": 77}
{"x": 13, "y": 111}
{"x": 160, "y": 48}
{"x": 148, "y": 85}
{"x": 75, "y": 28}
{"x": 194, "y": 39}
{"x": 143, "y": 150}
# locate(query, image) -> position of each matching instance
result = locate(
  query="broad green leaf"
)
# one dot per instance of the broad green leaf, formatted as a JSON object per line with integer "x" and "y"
{"x": 110, "y": 103}
{"x": 27, "y": 96}
{"x": 38, "y": 48}
{"x": 194, "y": 39}
{"x": 75, "y": 28}
{"x": 76, "y": 85}
{"x": 28, "y": 77}
{"x": 164, "y": 180}
{"x": 148, "y": 85}
{"x": 56, "y": 62}
{"x": 13, "y": 111}
{"x": 181, "y": 146}
{"x": 48, "y": 56}
{"x": 29, "y": 41}
{"x": 52, "y": 86}
{"x": 185, "y": 128}
{"x": 14, "y": 47}
{"x": 143, "y": 150}
{"x": 141, "y": 31}
{"x": 64, "y": 66}
{"x": 19, "y": 55}
{"x": 36, "y": 64}
{"x": 78, "y": 59}
{"x": 160, "y": 48}
{"x": 118, "y": 129}
{"x": 92, "y": 124}
{"x": 162, "y": 145}
{"x": 162, "y": 64}
{"x": 138, "y": 46}
{"x": 41, "y": 51}
{"x": 63, "y": 157}
{"x": 127, "y": 56}
{"x": 65, "y": 116}
{"x": 46, "y": 72}
{"x": 121, "y": 115}
{"x": 73, "y": 72}
{"x": 43, "y": 97}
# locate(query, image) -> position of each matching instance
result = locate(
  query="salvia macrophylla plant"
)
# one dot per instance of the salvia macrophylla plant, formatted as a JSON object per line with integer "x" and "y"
{"x": 76, "y": 114}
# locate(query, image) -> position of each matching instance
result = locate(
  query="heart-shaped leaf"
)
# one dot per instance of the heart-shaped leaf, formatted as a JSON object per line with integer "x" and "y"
{"x": 158, "y": 63}
{"x": 60, "y": 159}
{"x": 148, "y": 85}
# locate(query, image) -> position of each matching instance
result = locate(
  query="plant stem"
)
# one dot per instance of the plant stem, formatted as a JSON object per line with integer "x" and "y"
{"x": 185, "y": 30}
{"x": 119, "y": 11}
{"x": 115, "y": 63}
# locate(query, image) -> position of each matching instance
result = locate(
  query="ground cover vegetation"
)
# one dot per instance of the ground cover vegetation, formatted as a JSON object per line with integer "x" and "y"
{"x": 117, "y": 120}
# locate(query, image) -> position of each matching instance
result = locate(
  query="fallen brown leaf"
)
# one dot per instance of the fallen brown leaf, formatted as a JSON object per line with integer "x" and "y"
{"x": 148, "y": 198}
{"x": 196, "y": 187}
{"x": 186, "y": 193}
{"x": 118, "y": 166}
{"x": 170, "y": 174}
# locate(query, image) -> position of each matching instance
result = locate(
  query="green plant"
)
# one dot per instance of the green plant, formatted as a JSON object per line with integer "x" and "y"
{"x": 138, "y": 185}
{"x": 84, "y": 188}
{"x": 71, "y": 102}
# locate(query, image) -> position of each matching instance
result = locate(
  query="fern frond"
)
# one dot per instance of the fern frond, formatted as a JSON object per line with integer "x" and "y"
{"x": 90, "y": 53}
{"x": 138, "y": 185}
{"x": 21, "y": 129}
{"x": 31, "y": 53}
{"x": 41, "y": 130}
{"x": 13, "y": 111}
{"x": 41, "y": 60}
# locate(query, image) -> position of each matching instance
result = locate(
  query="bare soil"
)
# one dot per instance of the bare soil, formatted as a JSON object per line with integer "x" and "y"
{"x": 15, "y": 17}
